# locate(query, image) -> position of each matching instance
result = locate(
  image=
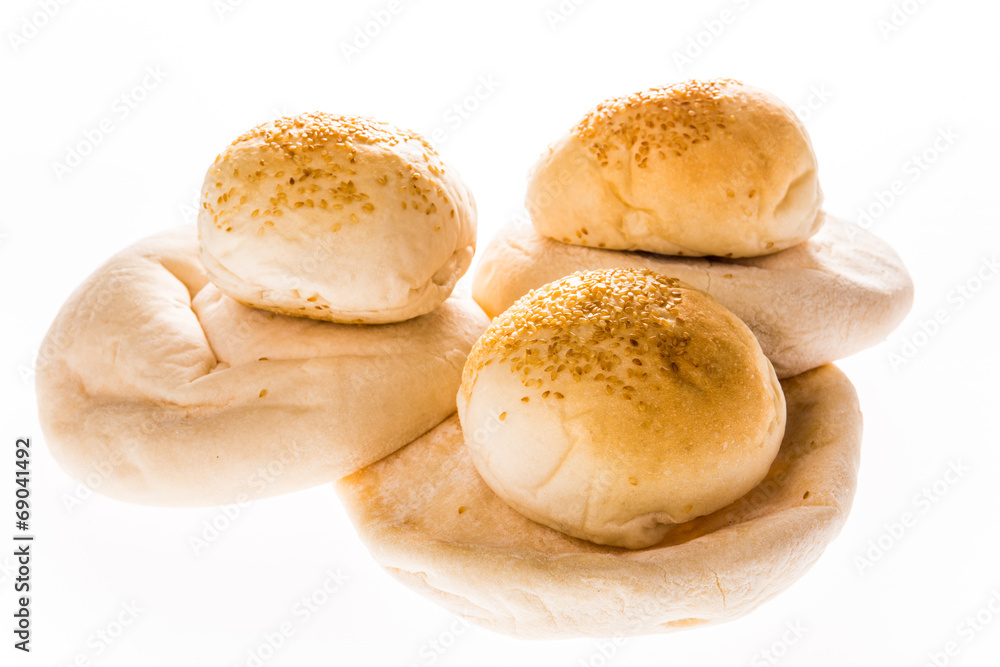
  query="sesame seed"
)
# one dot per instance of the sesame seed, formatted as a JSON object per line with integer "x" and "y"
{"x": 578, "y": 327}
{"x": 310, "y": 151}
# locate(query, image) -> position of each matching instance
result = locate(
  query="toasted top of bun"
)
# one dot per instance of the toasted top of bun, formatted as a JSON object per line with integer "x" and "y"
{"x": 453, "y": 540}
{"x": 696, "y": 168}
{"x": 612, "y": 404}
{"x": 337, "y": 218}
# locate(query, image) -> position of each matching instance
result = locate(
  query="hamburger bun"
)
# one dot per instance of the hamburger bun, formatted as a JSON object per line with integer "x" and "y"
{"x": 696, "y": 168}
{"x": 611, "y": 405}
{"x": 336, "y": 218}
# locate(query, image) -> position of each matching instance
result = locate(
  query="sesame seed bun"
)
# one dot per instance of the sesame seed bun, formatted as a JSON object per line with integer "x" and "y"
{"x": 154, "y": 387}
{"x": 452, "y": 539}
{"x": 613, "y": 404}
{"x": 696, "y": 168}
{"x": 336, "y": 218}
{"x": 836, "y": 294}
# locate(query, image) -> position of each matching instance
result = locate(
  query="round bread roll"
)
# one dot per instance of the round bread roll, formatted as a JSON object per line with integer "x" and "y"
{"x": 450, "y": 538}
{"x": 613, "y": 404}
{"x": 336, "y": 218}
{"x": 696, "y": 168}
{"x": 836, "y": 294}
{"x": 155, "y": 388}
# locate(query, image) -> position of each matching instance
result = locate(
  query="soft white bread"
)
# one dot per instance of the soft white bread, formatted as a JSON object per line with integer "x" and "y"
{"x": 822, "y": 300}
{"x": 613, "y": 404}
{"x": 336, "y": 218}
{"x": 696, "y": 168}
{"x": 452, "y": 539}
{"x": 153, "y": 387}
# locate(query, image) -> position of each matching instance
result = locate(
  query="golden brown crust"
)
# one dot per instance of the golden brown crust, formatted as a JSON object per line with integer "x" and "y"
{"x": 453, "y": 539}
{"x": 611, "y": 404}
{"x": 696, "y": 168}
{"x": 338, "y": 218}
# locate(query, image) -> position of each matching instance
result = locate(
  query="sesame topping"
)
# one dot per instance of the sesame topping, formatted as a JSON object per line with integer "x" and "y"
{"x": 657, "y": 123}
{"x": 312, "y": 131}
{"x": 607, "y": 327}
{"x": 312, "y": 157}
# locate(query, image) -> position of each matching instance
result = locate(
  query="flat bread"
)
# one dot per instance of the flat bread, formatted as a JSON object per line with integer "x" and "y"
{"x": 154, "y": 387}
{"x": 838, "y": 293}
{"x": 430, "y": 520}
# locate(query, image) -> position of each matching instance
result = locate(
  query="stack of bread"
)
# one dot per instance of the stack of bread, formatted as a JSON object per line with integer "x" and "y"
{"x": 714, "y": 183}
{"x": 305, "y": 330}
{"x": 624, "y": 459}
{"x": 647, "y": 437}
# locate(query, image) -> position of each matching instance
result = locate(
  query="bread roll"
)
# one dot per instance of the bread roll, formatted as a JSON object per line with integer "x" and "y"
{"x": 450, "y": 538}
{"x": 155, "y": 388}
{"x": 613, "y": 404}
{"x": 696, "y": 168}
{"x": 840, "y": 292}
{"x": 336, "y": 218}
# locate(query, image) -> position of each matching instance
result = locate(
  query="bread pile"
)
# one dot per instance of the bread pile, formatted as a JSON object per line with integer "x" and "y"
{"x": 457, "y": 542}
{"x": 714, "y": 183}
{"x": 624, "y": 459}
{"x": 647, "y": 437}
{"x": 263, "y": 353}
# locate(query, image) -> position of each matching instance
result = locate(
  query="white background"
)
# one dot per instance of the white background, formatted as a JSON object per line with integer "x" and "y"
{"x": 872, "y": 99}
